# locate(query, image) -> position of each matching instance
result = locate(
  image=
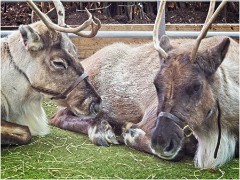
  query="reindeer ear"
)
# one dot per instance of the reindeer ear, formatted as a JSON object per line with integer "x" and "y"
{"x": 165, "y": 43}
{"x": 212, "y": 58}
{"x": 30, "y": 38}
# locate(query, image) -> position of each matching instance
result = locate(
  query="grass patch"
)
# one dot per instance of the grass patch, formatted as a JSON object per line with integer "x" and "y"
{"x": 64, "y": 154}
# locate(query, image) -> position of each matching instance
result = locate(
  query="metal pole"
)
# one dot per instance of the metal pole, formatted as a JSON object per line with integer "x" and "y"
{"x": 145, "y": 34}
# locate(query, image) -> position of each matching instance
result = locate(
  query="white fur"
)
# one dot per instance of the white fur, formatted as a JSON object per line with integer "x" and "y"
{"x": 22, "y": 105}
{"x": 29, "y": 113}
{"x": 204, "y": 157}
{"x": 35, "y": 118}
{"x": 107, "y": 135}
{"x": 131, "y": 139}
{"x": 92, "y": 133}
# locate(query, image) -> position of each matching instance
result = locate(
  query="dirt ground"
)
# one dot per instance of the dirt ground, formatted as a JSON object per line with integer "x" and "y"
{"x": 14, "y": 14}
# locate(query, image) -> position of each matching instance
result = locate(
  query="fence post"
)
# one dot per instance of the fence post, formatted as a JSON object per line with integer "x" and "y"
{"x": 162, "y": 24}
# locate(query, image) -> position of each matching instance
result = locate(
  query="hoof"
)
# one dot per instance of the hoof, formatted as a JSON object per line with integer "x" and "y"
{"x": 102, "y": 134}
{"x": 132, "y": 134}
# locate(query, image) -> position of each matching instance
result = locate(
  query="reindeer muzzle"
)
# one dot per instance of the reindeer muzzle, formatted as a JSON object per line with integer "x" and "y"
{"x": 187, "y": 130}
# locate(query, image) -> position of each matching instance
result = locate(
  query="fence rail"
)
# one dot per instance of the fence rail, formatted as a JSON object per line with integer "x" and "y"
{"x": 149, "y": 27}
{"x": 138, "y": 33}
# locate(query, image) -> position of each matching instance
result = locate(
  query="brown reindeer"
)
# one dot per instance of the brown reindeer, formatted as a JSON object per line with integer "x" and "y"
{"x": 198, "y": 93}
{"x": 123, "y": 76}
{"x": 40, "y": 60}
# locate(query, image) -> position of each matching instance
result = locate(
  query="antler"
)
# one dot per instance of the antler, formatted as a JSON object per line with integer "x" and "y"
{"x": 156, "y": 30}
{"x": 210, "y": 10}
{"x": 206, "y": 26}
{"x": 62, "y": 27}
{"x": 60, "y": 12}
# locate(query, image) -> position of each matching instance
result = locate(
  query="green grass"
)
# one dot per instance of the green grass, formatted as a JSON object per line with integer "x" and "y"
{"x": 64, "y": 154}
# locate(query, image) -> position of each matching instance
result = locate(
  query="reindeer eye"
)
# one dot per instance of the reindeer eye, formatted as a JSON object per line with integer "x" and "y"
{"x": 194, "y": 88}
{"x": 59, "y": 64}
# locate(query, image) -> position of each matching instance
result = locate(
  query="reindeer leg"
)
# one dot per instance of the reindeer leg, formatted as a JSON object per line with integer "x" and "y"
{"x": 65, "y": 119}
{"x": 102, "y": 133}
{"x": 14, "y": 134}
{"x": 133, "y": 136}
{"x": 98, "y": 129}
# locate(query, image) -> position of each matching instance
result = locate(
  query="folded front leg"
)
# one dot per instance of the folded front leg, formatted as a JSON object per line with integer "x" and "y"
{"x": 98, "y": 129}
{"x": 65, "y": 119}
{"x": 14, "y": 134}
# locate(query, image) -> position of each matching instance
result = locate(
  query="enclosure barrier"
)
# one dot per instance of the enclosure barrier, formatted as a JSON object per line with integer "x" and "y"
{"x": 145, "y": 30}
{"x": 136, "y": 33}
{"x": 146, "y": 34}
{"x": 87, "y": 47}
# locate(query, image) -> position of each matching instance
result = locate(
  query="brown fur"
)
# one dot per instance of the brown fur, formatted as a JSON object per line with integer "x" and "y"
{"x": 123, "y": 76}
{"x": 190, "y": 91}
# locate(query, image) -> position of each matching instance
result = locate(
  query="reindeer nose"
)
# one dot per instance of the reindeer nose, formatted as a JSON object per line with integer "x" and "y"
{"x": 96, "y": 106}
{"x": 167, "y": 139}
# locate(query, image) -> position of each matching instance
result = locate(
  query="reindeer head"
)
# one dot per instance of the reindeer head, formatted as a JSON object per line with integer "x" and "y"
{"x": 186, "y": 95}
{"x": 52, "y": 62}
{"x": 185, "y": 87}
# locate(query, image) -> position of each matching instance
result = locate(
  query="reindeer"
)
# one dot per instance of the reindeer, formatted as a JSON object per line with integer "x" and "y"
{"x": 39, "y": 60}
{"x": 198, "y": 93}
{"x": 124, "y": 77}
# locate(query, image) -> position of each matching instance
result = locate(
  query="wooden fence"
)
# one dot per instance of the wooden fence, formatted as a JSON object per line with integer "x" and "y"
{"x": 87, "y": 47}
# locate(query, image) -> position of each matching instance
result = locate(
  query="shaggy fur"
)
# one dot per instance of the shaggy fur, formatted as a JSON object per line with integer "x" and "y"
{"x": 34, "y": 61}
{"x": 206, "y": 146}
{"x": 190, "y": 90}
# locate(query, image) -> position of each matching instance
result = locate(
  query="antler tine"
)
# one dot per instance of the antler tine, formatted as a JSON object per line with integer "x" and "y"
{"x": 91, "y": 21}
{"x": 60, "y": 12}
{"x": 95, "y": 27}
{"x": 156, "y": 29}
{"x": 210, "y": 10}
{"x": 205, "y": 29}
{"x": 41, "y": 15}
{"x": 67, "y": 29}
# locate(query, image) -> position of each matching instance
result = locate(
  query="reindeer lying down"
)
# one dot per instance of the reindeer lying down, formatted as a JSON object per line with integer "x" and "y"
{"x": 123, "y": 76}
{"x": 39, "y": 61}
{"x": 160, "y": 100}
